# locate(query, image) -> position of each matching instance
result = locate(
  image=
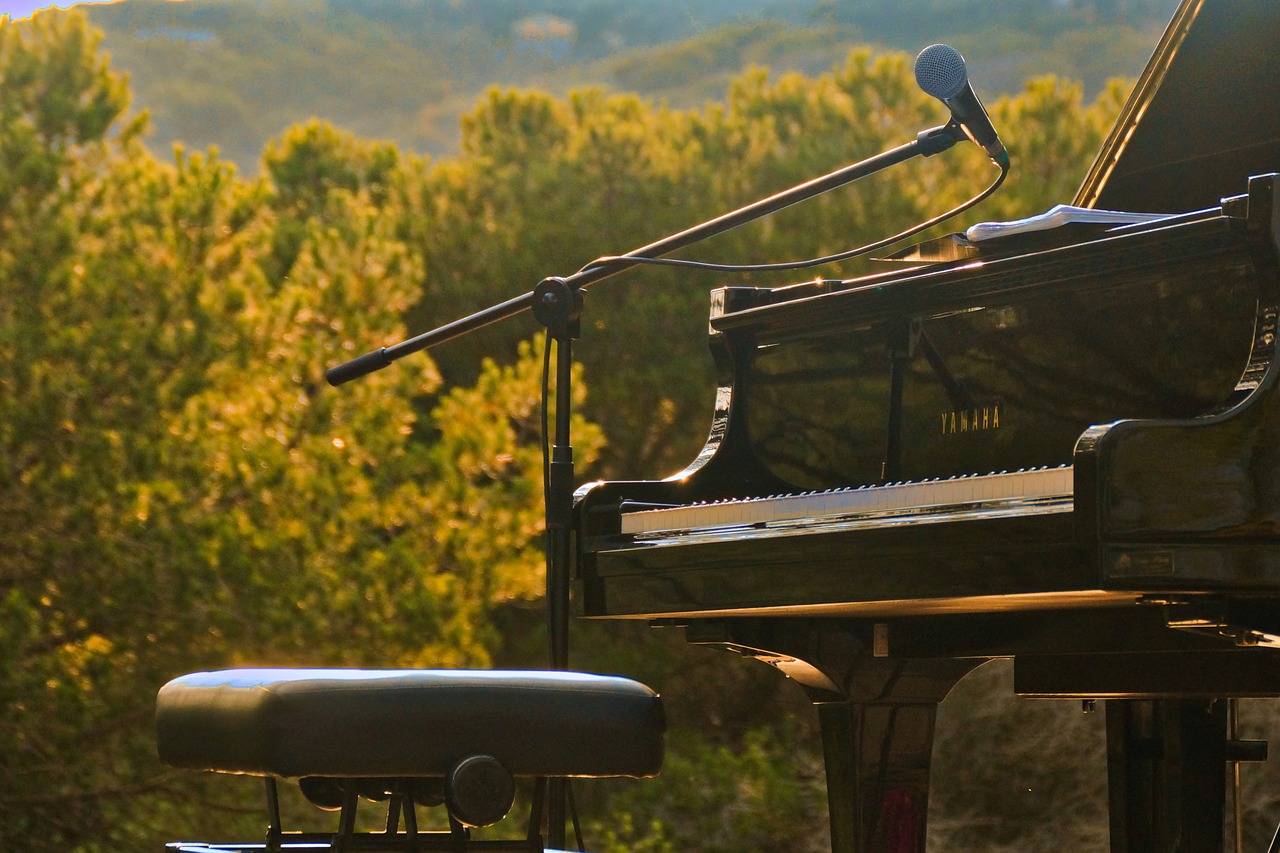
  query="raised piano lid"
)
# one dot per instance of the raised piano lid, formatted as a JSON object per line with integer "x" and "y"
{"x": 1202, "y": 117}
{"x": 1006, "y": 362}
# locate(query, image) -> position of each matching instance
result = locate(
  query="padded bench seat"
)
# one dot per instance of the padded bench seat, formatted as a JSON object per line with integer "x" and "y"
{"x": 408, "y": 723}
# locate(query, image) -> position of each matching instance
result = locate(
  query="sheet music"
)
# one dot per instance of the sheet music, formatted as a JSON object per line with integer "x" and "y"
{"x": 1056, "y": 217}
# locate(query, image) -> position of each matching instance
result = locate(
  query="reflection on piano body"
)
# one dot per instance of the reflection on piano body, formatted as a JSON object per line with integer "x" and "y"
{"x": 1021, "y": 492}
{"x": 1064, "y": 450}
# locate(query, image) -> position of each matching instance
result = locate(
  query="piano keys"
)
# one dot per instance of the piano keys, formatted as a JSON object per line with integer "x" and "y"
{"x": 1023, "y": 492}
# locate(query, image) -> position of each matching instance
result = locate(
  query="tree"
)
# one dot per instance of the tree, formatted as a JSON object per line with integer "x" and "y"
{"x": 71, "y": 395}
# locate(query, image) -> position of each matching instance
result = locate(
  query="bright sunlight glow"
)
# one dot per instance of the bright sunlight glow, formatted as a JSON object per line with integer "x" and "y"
{"x": 23, "y": 8}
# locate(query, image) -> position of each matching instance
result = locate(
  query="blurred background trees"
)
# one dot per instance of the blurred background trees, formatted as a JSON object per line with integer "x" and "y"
{"x": 231, "y": 73}
{"x": 180, "y": 490}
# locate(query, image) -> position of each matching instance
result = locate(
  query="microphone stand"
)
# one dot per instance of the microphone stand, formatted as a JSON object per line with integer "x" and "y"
{"x": 557, "y": 304}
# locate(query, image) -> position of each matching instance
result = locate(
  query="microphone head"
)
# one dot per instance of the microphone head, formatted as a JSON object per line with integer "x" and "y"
{"x": 940, "y": 71}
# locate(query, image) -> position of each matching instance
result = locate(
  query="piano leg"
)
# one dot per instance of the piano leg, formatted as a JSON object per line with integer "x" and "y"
{"x": 877, "y": 717}
{"x": 1166, "y": 763}
{"x": 877, "y": 761}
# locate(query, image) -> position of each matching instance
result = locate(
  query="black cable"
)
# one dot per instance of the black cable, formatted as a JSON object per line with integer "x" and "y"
{"x": 546, "y": 486}
{"x": 573, "y": 814}
{"x": 546, "y": 404}
{"x": 812, "y": 262}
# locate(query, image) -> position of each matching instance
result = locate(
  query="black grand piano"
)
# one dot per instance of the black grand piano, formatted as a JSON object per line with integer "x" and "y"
{"x": 1061, "y": 447}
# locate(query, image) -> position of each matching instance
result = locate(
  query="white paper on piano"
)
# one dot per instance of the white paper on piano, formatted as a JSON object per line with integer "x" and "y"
{"x": 1055, "y": 217}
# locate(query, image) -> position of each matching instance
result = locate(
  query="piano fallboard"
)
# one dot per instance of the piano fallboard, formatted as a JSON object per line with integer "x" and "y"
{"x": 988, "y": 564}
{"x": 836, "y": 569}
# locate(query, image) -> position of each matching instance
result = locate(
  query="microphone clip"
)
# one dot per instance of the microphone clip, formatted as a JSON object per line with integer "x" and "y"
{"x": 935, "y": 140}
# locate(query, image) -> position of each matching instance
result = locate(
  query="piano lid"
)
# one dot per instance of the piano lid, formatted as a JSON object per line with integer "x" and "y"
{"x": 1202, "y": 116}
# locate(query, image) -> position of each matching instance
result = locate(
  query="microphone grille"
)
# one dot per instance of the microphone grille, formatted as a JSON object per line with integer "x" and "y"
{"x": 940, "y": 71}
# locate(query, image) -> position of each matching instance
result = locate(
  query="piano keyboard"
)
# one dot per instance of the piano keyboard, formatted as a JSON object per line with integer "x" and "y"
{"x": 965, "y": 492}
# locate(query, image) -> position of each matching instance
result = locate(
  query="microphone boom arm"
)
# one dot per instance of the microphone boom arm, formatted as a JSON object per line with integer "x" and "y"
{"x": 926, "y": 144}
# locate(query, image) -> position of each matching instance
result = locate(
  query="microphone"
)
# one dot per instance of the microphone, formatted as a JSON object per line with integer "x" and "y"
{"x": 940, "y": 72}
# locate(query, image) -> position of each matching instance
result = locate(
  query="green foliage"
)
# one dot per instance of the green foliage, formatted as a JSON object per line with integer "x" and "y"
{"x": 486, "y": 487}
{"x": 314, "y": 170}
{"x": 57, "y": 87}
{"x": 68, "y": 402}
{"x": 765, "y": 794}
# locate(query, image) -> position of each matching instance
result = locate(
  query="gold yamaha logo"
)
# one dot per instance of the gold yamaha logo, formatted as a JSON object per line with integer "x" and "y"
{"x": 977, "y": 419}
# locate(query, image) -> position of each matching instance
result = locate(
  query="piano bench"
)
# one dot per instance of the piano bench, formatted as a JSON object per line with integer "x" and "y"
{"x": 410, "y": 733}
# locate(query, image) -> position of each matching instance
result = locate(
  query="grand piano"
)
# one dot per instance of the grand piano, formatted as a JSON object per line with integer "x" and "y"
{"x": 1060, "y": 447}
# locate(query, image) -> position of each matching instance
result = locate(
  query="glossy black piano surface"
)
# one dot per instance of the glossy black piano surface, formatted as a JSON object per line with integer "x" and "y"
{"x": 1140, "y": 357}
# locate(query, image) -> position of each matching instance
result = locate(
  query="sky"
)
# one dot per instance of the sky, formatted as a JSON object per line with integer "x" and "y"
{"x": 23, "y": 8}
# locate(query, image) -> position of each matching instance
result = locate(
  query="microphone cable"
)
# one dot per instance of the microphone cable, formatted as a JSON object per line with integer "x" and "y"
{"x": 611, "y": 260}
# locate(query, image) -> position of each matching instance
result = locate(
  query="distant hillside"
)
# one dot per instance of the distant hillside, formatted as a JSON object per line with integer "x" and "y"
{"x": 233, "y": 73}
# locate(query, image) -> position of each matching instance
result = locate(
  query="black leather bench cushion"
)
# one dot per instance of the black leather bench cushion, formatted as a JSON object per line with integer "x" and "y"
{"x": 408, "y": 723}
